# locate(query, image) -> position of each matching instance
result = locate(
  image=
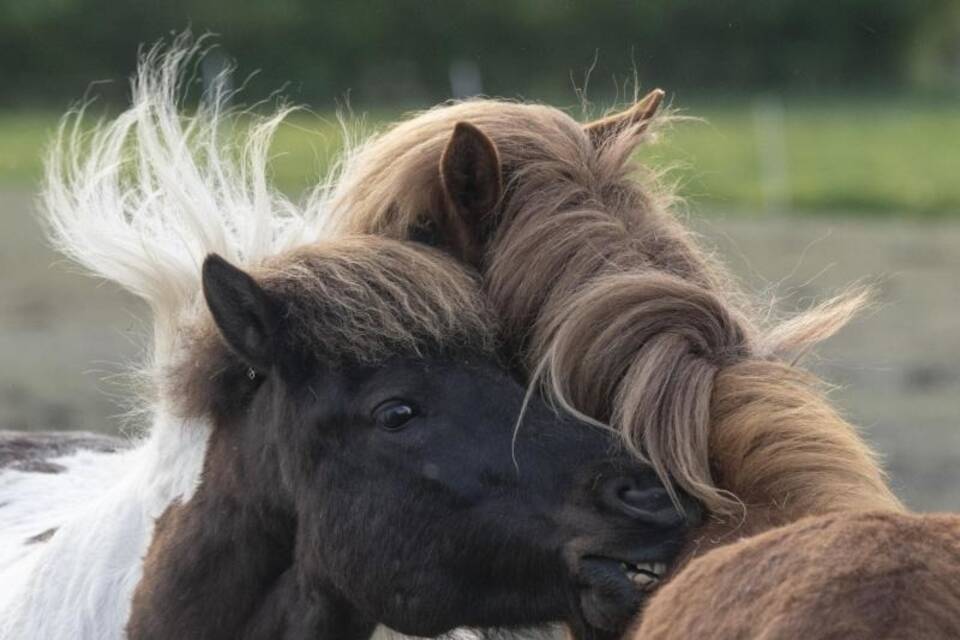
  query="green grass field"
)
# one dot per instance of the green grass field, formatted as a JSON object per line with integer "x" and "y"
{"x": 854, "y": 156}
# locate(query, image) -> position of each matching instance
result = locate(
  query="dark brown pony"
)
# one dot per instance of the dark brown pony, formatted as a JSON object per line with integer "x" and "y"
{"x": 366, "y": 466}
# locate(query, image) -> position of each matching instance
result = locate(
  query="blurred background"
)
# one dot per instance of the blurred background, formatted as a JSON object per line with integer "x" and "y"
{"x": 826, "y": 151}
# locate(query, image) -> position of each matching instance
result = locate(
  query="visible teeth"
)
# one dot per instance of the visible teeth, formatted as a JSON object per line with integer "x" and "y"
{"x": 645, "y": 575}
{"x": 656, "y": 568}
{"x": 642, "y": 580}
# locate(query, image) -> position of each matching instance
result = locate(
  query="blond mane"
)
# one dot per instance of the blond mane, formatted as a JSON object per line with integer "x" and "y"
{"x": 611, "y": 303}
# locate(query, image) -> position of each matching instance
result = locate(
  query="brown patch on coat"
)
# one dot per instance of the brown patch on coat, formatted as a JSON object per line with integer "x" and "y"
{"x": 214, "y": 558}
{"x": 30, "y": 451}
{"x": 850, "y": 576}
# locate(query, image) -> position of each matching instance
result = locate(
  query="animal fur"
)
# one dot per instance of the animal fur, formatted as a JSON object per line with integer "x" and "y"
{"x": 857, "y": 576}
{"x": 613, "y": 306}
{"x": 139, "y": 200}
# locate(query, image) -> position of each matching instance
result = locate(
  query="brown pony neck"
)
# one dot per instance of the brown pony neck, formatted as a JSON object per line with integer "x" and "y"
{"x": 778, "y": 445}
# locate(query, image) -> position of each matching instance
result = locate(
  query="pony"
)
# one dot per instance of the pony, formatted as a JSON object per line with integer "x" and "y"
{"x": 840, "y": 575}
{"x": 335, "y": 440}
{"x": 612, "y": 308}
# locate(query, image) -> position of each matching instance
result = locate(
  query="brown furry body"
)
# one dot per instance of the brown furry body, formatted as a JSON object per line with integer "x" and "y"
{"x": 868, "y": 576}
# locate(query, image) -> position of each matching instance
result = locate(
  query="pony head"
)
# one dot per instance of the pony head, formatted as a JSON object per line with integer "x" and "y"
{"x": 369, "y": 441}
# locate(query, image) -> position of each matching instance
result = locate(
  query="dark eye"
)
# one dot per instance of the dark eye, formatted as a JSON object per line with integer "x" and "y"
{"x": 393, "y": 415}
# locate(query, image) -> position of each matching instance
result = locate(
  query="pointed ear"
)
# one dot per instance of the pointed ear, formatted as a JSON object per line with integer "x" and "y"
{"x": 639, "y": 114}
{"x": 472, "y": 183}
{"x": 242, "y": 311}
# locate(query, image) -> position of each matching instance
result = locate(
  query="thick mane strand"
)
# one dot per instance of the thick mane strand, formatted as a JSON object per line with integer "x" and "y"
{"x": 142, "y": 198}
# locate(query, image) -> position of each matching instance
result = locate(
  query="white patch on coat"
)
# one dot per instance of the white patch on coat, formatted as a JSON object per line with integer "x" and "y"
{"x": 79, "y": 583}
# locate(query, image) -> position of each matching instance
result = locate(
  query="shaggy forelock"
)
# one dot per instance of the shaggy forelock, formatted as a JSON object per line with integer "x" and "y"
{"x": 353, "y": 300}
{"x": 369, "y": 298}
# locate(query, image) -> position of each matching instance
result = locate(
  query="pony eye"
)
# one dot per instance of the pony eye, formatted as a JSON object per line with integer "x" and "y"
{"x": 393, "y": 415}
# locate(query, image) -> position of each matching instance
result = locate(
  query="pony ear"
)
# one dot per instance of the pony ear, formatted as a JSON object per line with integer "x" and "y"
{"x": 472, "y": 183}
{"x": 242, "y": 311}
{"x": 638, "y": 115}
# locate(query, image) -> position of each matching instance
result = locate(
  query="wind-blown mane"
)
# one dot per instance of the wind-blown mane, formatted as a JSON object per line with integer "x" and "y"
{"x": 609, "y": 300}
{"x": 141, "y": 199}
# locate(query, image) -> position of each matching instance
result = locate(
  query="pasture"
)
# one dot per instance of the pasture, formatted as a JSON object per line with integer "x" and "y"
{"x": 863, "y": 156}
{"x": 881, "y": 176}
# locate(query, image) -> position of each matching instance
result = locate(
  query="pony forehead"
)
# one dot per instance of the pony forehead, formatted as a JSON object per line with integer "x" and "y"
{"x": 368, "y": 298}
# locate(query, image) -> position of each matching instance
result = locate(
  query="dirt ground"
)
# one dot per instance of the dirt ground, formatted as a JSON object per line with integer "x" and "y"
{"x": 65, "y": 338}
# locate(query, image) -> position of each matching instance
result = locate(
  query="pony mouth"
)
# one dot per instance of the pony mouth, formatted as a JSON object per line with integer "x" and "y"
{"x": 641, "y": 575}
{"x": 645, "y": 576}
{"x": 612, "y": 590}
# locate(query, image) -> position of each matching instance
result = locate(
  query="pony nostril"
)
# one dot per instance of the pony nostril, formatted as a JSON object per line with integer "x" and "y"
{"x": 651, "y": 505}
{"x": 633, "y": 496}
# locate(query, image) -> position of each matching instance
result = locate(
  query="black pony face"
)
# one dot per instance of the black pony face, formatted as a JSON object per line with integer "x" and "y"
{"x": 424, "y": 502}
{"x": 421, "y": 501}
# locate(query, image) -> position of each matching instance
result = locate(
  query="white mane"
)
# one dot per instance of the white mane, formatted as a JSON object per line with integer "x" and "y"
{"x": 142, "y": 199}
{"x": 139, "y": 200}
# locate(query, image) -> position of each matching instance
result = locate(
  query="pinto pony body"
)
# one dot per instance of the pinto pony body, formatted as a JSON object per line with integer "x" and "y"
{"x": 143, "y": 216}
